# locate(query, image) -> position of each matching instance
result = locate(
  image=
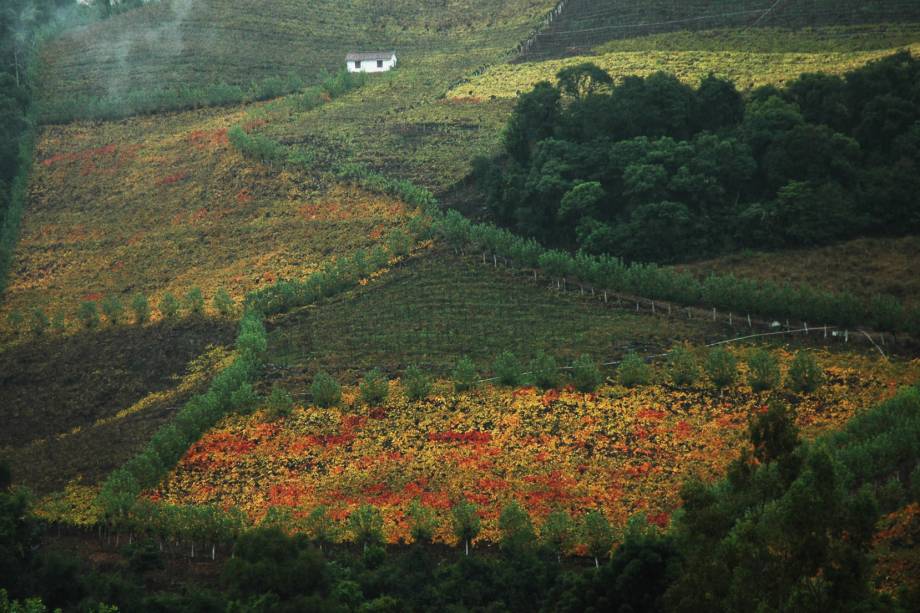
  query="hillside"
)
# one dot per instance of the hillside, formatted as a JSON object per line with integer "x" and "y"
{"x": 749, "y": 58}
{"x": 187, "y": 43}
{"x": 582, "y": 24}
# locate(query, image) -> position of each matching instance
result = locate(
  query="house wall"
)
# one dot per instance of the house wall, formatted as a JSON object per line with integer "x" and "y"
{"x": 371, "y": 66}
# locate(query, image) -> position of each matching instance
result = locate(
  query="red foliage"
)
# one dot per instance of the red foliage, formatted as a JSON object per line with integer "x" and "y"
{"x": 244, "y": 196}
{"x": 659, "y": 519}
{"x": 550, "y": 397}
{"x": 92, "y": 297}
{"x": 203, "y": 139}
{"x": 651, "y": 414}
{"x": 287, "y": 495}
{"x": 172, "y": 179}
{"x": 460, "y": 437}
{"x": 218, "y": 449}
{"x": 683, "y": 430}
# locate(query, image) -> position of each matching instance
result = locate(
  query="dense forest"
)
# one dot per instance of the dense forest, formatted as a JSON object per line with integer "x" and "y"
{"x": 651, "y": 169}
{"x": 790, "y": 528}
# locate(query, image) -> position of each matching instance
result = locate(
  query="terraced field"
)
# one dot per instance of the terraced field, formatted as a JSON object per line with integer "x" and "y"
{"x": 186, "y": 43}
{"x": 165, "y": 203}
{"x": 749, "y": 59}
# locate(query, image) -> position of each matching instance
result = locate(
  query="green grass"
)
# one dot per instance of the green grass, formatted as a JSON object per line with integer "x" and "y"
{"x": 439, "y": 307}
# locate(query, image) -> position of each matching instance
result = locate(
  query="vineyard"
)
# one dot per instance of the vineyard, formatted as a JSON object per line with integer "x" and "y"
{"x": 438, "y": 307}
{"x": 864, "y": 267}
{"x": 623, "y": 451}
{"x": 582, "y": 24}
{"x": 724, "y": 54}
{"x": 165, "y": 204}
{"x": 170, "y": 47}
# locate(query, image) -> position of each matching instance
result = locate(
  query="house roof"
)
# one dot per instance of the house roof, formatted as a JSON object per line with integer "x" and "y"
{"x": 380, "y": 55}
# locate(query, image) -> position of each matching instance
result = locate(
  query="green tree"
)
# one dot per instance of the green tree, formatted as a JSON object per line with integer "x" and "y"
{"x": 598, "y": 535}
{"x": 722, "y": 367}
{"x": 804, "y": 376}
{"x": 244, "y": 398}
{"x": 544, "y": 371}
{"x": 374, "y": 387}
{"x": 534, "y": 119}
{"x": 682, "y": 366}
{"x": 581, "y": 201}
{"x": 422, "y": 522}
{"x": 464, "y": 375}
{"x": 40, "y": 322}
{"x": 583, "y": 80}
{"x": 558, "y": 533}
{"x": 194, "y": 301}
{"x": 465, "y": 521}
{"x": 399, "y": 243}
{"x": 141, "y": 307}
{"x": 325, "y": 390}
{"x": 223, "y": 303}
{"x": 763, "y": 370}
{"x": 279, "y": 403}
{"x": 366, "y": 525}
{"x": 88, "y": 315}
{"x": 169, "y": 306}
{"x": 417, "y": 384}
{"x": 320, "y": 527}
{"x": 633, "y": 371}
{"x": 517, "y": 533}
{"x": 586, "y": 376}
{"x": 507, "y": 369}
{"x": 113, "y": 309}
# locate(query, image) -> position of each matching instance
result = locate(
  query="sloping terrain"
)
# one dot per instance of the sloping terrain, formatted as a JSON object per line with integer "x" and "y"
{"x": 864, "y": 267}
{"x": 437, "y": 308}
{"x": 184, "y": 43}
{"x": 165, "y": 203}
{"x": 82, "y": 405}
{"x": 750, "y": 59}
{"x": 582, "y": 24}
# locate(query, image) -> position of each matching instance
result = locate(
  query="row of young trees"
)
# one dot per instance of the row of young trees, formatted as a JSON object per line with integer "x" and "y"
{"x": 651, "y": 169}
{"x": 683, "y": 367}
{"x": 116, "y": 312}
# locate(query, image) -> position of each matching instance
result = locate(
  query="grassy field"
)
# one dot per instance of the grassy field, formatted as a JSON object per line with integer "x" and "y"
{"x": 181, "y": 43}
{"x": 750, "y": 59}
{"x": 864, "y": 267}
{"x": 623, "y": 451}
{"x": 82, "y": 405}
{"x": 438, "y": 307}
{"x": 164, "y": 203}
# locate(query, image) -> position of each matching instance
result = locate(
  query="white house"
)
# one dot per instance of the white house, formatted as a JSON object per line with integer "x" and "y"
{"x": 370, "y": 62}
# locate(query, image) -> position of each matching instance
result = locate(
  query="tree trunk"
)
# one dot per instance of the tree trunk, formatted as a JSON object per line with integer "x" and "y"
{"x": 597, "y": 563}
{"x": 213, "y": 551}
{"x": 467, "y": 544}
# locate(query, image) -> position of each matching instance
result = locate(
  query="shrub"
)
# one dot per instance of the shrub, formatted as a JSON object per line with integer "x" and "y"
{"x": 721, "y": 367}
{"x": 682, "y": 366}
{"x": 223, "y": 303}
{"x": 763, "y": 370}
{"x": 598, "y": 535}
{"x": 805, "y": 376}
{"x": 366, "y": 525}
{"x": 40, "y": 322}
{"x": 326, "y": 391}
{"x": 516, "y": 528}
{"x": 244, "y": 399}
{"x": 141, "y": 308}
{"x": 399, "y": 243}
{"x": 113, "y": 309}
{"x": 169, "y": 306}
{"x": 544, "y": 371}
{"x": 915, "y": 484}
{"x": 417, "y": 384}
{"x": 374, "y": 388}
{"x": 88, "y": 315}
{"x": 14, "y": 320}
{"x": 465, "y": 523}
{"x": 633, "y": 371}
{"x": 194, "y": 301}
{"x": 586, "y": 376}
{"x": 279, "y": 403}
{"x": 507, "y": 369}
{"x": 890, "y": 495}
{"x": 422, "y": 522}
{"x": 59, "y": 323}
{"x": 464, "y": 375}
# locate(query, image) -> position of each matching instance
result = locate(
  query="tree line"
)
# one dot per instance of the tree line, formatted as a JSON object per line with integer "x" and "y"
{"x": 653, "y": 170}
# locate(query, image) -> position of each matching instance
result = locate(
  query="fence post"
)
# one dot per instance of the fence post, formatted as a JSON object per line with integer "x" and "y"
{"x": 495, "y": 260}
{"x": 730, "y": 320}
{"x": 669, "y": 309}
{"x": 605, "y": 296}
{"x": 653, "y": 307}
{"x": 749, "y": 321}
{"x": 846, "y": 336}
{"x": 806, "y": 328}
{"x": 825, "y": 330}
{"x": 713, "y": 313}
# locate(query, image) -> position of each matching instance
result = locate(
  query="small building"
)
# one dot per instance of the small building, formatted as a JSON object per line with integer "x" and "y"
{"x": 370, "y": 62}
